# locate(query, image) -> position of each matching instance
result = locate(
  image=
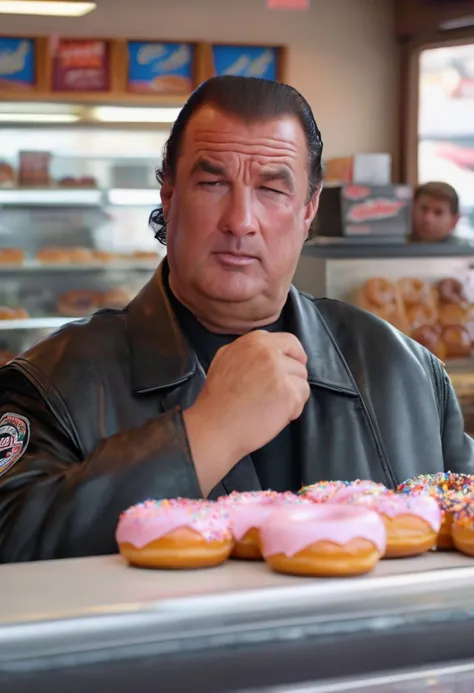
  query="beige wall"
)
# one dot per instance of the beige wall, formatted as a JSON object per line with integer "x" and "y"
{"x": 342, "y": 53}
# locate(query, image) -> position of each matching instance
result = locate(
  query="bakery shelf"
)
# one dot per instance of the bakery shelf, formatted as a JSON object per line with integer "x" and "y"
{"x": 118, "y": 265}
{"x": 83, "y": 197}
{"x": 34, "y": 324}
{"x": 87, "y": 197}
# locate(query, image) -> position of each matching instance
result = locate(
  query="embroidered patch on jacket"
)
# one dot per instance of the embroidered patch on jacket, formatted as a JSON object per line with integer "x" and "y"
{"x": 14, "y": 439}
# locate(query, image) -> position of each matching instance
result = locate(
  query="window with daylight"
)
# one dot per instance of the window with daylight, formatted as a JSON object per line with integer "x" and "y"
{"x": 446, "y": 123}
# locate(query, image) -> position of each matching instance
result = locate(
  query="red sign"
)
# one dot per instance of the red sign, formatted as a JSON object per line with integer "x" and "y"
{"x": 375, "y": 210}
{"x": 80, "y": 65}
{"x": 288, "y": 4}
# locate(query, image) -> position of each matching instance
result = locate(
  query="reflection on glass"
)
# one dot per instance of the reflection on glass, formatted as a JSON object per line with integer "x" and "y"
{"x": 446, "y": 124}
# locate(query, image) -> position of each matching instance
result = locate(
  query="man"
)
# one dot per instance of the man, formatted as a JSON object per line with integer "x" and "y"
{"x": 435, "y": 212}
{"x": 219, "y": 375}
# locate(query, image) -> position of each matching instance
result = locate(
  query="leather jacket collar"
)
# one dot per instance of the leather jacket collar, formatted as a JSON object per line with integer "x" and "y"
{"x": 162, "y": 357}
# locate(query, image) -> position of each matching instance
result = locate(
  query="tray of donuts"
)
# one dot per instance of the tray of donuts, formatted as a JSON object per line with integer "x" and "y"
{"x": 57, "y": 256}
{"x": 78, "y": 303}
{"x": 440, "y": 315}
{"x": 328, "y": 529}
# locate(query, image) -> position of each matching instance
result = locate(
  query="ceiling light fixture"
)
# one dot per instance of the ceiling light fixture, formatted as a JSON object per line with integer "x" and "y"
{"x": 47, "y": 118}
{"x": 52, "y": 8}
{"x": 117, "y": 114}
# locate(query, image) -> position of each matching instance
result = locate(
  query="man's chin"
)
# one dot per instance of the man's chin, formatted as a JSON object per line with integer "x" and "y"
{"x": 234, "y": 289}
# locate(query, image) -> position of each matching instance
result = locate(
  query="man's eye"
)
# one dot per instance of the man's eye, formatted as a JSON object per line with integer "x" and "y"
{"x": 210, "y": 183}
{"x": 272, "y": 190}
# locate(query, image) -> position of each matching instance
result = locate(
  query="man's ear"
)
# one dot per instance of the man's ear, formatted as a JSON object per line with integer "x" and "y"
{"x": 311, "y": 209}
{"x": 166, "y": 194}
{"x": 455, "y": 221}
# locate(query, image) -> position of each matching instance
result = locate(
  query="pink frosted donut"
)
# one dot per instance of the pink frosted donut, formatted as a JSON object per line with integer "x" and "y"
{"x": 176, "y": 533}
{"x": 322, "y": 490}
{"x": 412, "y": 522}
{"x": 247, "y": 512}
{"x": 323, "y": 540}
{"x": 355, "y": 488}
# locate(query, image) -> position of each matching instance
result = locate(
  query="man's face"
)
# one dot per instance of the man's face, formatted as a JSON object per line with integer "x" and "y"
{"x": 433, "y": 219}
{"x": 237, "y": 212}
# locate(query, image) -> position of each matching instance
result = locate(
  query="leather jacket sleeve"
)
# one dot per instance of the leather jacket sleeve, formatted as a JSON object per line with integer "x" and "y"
{"x": 53, "y": 504}
{"x": 458, "y": 447}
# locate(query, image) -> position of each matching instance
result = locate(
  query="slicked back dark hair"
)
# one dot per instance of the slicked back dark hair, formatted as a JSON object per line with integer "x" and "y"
{"x": 251, "y": 99}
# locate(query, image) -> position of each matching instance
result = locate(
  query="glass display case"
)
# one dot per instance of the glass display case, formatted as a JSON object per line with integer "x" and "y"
{"x": 74, "y": 236}
{"x": 96, "y": 624}
{"x": 342, "y": 270}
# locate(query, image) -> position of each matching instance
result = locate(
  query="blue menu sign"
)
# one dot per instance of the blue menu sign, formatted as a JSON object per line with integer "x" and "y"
{"x": 17, "y": 64}
{"x": 246, "y": 61}
{"x": 160, "y": 68}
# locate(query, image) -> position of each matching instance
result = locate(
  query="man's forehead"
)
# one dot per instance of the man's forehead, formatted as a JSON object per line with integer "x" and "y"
{"x": 212, "y": 128}
{"x": 434, "y": 201}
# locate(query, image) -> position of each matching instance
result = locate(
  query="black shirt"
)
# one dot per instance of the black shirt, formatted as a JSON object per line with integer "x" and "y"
{"x": 277, "y": 464}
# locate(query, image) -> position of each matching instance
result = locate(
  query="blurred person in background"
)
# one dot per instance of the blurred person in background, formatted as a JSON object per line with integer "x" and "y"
{"x": 435, "y": 212}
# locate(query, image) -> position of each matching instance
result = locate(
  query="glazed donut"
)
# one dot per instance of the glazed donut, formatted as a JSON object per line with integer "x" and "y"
{"x": 449, "y": 490}
{"x": 174, "y": 534}
{"x": 462, "y": 529}
{"x": 67, "y": 182}
{"x": 357, "y": 488}
{"x": 79, "y": 256}
{"x": 451, "y": 291}
{"x": 12, "y": 256}
{"x": 53, "y": 256}
{"x": 327, "y": 540}
{"x": 429, "y": 336}
{"x": 420, "y": 314}
{"x": 412, "y": 522}
{"x": 247, "y": 512}
{"x": 470, "y": 321}
{"x": 7, "y": 172}
{"x": 322, "y": 491}
{"x": 115, "y": 298}
{"x": 8, "y": 313}
{"x": 379, "y": 292}
{"x": 63, "y": 256}
{"x": 457, "y": 341}
{"x": 78, "y": 303}
{"x": 413, "y": 291}
{"x": 5, "y": 357}
{"x": 451, "y": 314}
{"x": 144, "y": 255}
{"x": 104, "y": 256}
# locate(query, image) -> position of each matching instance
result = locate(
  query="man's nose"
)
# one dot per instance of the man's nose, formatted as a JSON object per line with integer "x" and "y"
{"x": 239, "y": 218}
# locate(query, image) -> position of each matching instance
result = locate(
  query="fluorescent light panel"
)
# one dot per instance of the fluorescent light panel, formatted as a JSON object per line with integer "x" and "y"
{"x": 52, "y": 8}
{"x": 66, "y": 196}
{"x": 129, "y": 197}
{"x": 116, "y": 114}
{"x": 52, "y": 118}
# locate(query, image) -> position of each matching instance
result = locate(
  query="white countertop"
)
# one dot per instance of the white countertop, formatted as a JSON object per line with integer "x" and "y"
{"x": 77, "y": 587}
{"x": 83, "y": 609}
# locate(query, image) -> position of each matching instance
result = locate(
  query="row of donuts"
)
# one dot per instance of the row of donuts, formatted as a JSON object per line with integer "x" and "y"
{"x": 76, "y": 303}
{"x": 329, "y": 529}
{"x": 58, "y": 255}
{"x": 439, "y": 316}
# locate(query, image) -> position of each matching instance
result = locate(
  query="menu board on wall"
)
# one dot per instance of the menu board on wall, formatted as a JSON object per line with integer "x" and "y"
{"x": 80, "y": 65}
{"x": 17, "y": 64}
{"x": 160, "y": 68}
{"x": 245, "y": 61}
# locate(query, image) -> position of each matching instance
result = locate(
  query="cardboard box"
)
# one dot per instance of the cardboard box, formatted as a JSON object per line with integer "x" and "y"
{"x": 365, "y": 210}
{"x": 369, "y": 169}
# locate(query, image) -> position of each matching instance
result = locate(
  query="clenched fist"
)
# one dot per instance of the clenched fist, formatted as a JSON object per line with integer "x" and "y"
{"x": 255, "y": 387}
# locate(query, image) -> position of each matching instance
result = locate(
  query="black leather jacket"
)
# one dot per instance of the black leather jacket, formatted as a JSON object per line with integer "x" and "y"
{"x": 103, "y": 397}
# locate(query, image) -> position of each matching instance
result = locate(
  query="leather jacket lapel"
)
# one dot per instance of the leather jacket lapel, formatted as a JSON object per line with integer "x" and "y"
{"x": 163, "y": 360}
